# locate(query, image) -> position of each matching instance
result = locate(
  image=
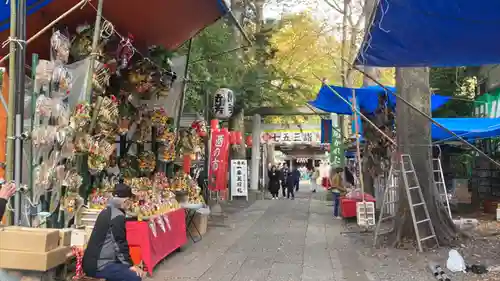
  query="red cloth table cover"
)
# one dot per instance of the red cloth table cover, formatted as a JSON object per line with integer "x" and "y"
{"x": 154, "y": 249}
{"x": 348, "y": 206}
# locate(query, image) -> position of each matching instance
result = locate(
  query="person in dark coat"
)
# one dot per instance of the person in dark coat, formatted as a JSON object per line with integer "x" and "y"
{"x": 284, "y": 178}
{"x": 290, "y": 185}
{"x": 274, "y": 182}
{"x": 296, "y": 178}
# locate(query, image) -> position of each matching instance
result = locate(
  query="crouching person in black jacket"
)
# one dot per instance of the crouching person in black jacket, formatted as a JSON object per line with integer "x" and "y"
{"x": 107, "y": 255}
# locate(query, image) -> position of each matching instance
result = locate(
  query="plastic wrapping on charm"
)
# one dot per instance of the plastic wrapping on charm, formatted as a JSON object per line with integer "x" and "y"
{"x": 59, "y": 47}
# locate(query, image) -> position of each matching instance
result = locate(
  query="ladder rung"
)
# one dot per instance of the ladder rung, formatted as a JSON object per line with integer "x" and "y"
{"x": 414, "y": 187}
{"x": 427, "y": 238}
{"x": 418, "y": 204}
{"x": 387, "y": 218}
{"x": 439, "y": 182}
{"x": 410, "y": 171}
{"x": 390, "y": 202}
{"x": 436, "y": 171}
{"x": 423, "y": 221}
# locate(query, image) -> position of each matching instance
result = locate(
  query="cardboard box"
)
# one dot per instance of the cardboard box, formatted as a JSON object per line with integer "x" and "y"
{"x": 28, "y": 239}
{"x": 33, "y": 261}
{"x": 65, "y": 237}
{"x": 201, "y": 222}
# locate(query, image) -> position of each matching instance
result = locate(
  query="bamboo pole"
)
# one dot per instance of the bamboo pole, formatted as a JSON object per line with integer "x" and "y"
{"x": 95, "y": 43}
{"x": 358, "y": 150}
{"x": 9, "y": 170}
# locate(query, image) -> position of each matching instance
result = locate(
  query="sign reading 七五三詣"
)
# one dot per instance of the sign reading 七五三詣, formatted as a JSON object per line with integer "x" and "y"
{"x": 223, "y": 103}
{"x": 336, "y": 145}
{"x": 290, "y": 136}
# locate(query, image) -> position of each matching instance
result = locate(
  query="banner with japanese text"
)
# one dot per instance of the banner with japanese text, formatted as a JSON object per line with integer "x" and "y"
{"x": 219, "y": 153}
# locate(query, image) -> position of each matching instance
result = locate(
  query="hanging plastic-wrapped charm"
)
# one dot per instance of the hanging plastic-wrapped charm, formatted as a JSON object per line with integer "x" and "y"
{"x": 60, "y": 46}
{"x": 125, "y": 52}
{"x": 62, "y": 81}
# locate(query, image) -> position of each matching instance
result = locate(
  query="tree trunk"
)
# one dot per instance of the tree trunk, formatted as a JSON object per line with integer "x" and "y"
{"x": 414, "y": 138}
{"x": 367, "y": 167}
{"x": 236, "y": 123}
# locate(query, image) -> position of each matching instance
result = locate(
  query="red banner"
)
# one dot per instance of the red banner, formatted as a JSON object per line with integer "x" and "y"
{"x": 219, "y": 153}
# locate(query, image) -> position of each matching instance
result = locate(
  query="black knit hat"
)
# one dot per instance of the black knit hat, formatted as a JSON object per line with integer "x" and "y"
{"x": 123, "y": 191}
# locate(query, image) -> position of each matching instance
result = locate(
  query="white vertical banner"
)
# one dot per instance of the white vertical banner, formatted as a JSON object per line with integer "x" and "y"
{"x": 239, "y": 178}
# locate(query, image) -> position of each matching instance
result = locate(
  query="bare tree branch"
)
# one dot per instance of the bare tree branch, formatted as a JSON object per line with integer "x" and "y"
{"x": 334, "y": 5}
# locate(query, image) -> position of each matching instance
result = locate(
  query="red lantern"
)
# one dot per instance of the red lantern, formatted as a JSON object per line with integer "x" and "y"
{"x": 214, "y": 124}
{"x": 232, "y": 137}
{"x": 186, "y": 165}
{"x": 238, "y": 139}
{"x": 249, "y": 141}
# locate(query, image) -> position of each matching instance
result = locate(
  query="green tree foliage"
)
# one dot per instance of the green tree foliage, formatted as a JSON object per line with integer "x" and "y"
{"x": 456, "y": 82}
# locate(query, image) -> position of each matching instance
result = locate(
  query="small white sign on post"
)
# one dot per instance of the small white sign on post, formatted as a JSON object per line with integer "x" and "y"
{"x": 239, "y": 179}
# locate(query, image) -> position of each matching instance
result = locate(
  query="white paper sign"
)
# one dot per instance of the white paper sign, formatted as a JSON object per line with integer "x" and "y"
{"x": 239, "y": 178}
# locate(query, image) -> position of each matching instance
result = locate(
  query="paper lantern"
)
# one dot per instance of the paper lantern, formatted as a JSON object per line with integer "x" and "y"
{"x": 223, "y": 103}
{"x": 232, "y": 137}
{"x": 249, "y": 141}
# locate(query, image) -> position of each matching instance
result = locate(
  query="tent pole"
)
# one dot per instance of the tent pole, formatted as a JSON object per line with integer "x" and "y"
{"x": 358, "y": 150}
{"x": 50, "y": 25}
{"x": 9, "y": 170}
{"x": 95, "y": 42}
{"x": 462, "y": 140}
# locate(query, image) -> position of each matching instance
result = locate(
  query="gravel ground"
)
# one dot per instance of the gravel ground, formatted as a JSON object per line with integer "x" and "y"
{"x": 386, "y": 263}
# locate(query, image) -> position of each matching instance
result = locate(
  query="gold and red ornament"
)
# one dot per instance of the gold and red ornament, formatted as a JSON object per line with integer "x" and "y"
{"x": 147, "y": 162}
{"x": 80, "y": 118}
{"x": 200, "y": 127}
{"x": 159, "y": 117}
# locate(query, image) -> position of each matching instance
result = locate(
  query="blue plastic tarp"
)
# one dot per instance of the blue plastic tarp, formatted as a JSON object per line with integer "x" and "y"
{"x": 367, "y": 99}
{"x": 32, "y": 6}
{"x": 432, "y": 33}
{"x": 467, "y": 128}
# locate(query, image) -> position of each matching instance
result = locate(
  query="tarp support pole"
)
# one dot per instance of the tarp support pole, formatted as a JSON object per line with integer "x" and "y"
{"x": 183, "y": 91}
{"x": 49, "y": 26}
{"x": 9, "y": 162}
{"x": 95, "y": 42}
{"x": 462, "y": 140}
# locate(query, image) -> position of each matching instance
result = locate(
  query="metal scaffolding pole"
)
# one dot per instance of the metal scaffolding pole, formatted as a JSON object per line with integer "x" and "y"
{"x": 20, "y": 57}
{"x": 9, "y": 162}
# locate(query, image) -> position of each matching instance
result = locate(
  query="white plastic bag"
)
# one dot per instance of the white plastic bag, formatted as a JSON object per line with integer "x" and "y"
{"x": 455, "y": 262}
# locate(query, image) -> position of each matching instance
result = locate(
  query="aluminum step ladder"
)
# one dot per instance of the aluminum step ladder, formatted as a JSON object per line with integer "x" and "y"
{"x": 412, "y": 186}
{"x": 389, "y": 202}
{"x": 437, "y": 171}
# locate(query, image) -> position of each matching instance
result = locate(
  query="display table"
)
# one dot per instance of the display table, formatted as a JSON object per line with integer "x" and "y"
{"x": 149, "y": 248}
{"x": 348, "y": 206}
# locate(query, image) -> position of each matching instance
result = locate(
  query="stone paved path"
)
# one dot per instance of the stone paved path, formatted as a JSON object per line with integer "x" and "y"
{"x": 280, "y": 240}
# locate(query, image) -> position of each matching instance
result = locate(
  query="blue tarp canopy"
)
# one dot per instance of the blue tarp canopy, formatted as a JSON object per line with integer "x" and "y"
{"x": 432, "y": 33}
{"x": 366, "y": 97}
{"x": 467, "y": 128}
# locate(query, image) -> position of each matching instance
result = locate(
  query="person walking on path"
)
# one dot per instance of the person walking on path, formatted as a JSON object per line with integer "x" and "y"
{"x": 290, "y": 186}
{"x": 314, "y": 179}
{"x": 284, "y": 178}
{"x": 274, "y": 182}
{"x": 337, "y": 188}
{"x": 296, "y": 178}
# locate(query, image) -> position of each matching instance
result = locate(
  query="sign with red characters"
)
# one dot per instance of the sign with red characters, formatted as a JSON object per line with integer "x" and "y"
{"x": 219, "y": 158}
